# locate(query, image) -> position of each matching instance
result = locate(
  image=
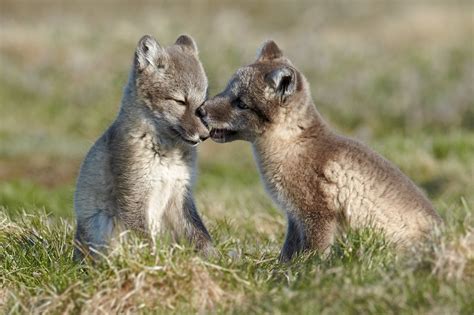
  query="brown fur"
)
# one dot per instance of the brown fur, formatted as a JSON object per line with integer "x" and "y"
{"x": 322, "y": 180}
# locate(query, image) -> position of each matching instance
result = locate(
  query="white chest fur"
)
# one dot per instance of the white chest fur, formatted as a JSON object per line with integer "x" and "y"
{"x": 167, "y": 180}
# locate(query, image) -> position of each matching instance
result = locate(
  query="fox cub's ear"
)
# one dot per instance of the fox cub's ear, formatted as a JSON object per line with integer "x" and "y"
{"x": 269, "y": 51}
{"x": 149, "y": 52}
{"x": 283, "y": 82}
{"x": 187, "y": 43}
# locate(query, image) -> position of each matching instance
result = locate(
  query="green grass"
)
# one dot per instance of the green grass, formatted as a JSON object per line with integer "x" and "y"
{"x": 362, "y": 273}
{"x": 396, "y": 75}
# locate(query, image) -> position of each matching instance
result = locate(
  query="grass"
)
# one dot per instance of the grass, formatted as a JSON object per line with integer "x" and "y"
{"x": 396, "y": 75}
{"x": 361, "y": 273}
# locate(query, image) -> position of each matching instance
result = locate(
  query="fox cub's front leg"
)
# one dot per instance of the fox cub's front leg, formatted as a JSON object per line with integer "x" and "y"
{"x": 302, "y": 236}
{"x": 294, "y": 242}
{"x": 92, "y": 235}
{"x": 195, "y": 231}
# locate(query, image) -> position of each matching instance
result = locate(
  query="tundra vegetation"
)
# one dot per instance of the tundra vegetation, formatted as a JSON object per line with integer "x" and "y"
{"x": 396, "y": 75}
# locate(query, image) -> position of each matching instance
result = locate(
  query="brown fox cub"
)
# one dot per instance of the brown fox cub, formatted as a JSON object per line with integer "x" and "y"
{"x": 139, "y": 174}
{"x": 322, "y": 180}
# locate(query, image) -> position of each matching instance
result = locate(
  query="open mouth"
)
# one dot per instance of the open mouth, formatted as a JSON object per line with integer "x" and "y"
{"x": 221, "y": 135}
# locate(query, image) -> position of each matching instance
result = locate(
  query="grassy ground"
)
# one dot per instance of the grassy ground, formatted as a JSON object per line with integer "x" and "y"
{"x": 396, "y": 75}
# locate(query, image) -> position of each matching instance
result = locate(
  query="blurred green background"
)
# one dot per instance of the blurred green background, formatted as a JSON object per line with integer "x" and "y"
{"x": 396, "y": 75}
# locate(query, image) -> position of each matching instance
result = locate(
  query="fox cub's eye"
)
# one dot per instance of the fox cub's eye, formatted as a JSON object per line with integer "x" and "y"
{"x": 179, "y": 101}
{"x": 240, "y": 104}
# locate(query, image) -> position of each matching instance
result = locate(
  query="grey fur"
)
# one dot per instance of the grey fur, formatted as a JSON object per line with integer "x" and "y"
{"x": 322, "y": 180}
{"x": 140, "y": 172}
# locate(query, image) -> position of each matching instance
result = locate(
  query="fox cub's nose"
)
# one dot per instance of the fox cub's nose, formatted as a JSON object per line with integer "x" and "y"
{"x": 201, "y": 112}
